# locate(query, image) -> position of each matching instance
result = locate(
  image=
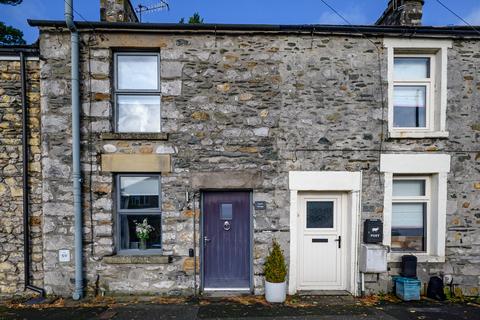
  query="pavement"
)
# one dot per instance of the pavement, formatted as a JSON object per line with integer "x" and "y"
{"x": 310, "y": 307}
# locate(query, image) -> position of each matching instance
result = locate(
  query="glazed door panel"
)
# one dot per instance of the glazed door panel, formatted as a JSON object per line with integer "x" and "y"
{"x": 322, "y": 242}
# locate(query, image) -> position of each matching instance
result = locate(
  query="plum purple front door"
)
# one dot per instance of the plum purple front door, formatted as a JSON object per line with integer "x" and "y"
{"x": 226, "y": 240}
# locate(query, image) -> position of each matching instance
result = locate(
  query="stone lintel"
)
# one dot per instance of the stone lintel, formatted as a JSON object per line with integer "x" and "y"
{"x": 227, "y": 180}
{"x": 133, "y": 136}
{"x": 120, "y": 162}
{"x": 126, "y": 259}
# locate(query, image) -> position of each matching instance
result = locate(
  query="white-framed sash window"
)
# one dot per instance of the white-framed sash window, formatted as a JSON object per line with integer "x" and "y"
{"x": 410, "y": 213}
{"x": 417, "y": 87}
{"x": 415, "y": 205}
{"x": 413, "y": 91}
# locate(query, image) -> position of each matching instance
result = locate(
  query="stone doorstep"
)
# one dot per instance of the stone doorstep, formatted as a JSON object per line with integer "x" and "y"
{"x": 126, "y": 259}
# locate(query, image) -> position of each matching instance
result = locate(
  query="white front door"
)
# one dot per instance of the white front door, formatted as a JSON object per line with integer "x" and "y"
{"x": 322, "y": 241}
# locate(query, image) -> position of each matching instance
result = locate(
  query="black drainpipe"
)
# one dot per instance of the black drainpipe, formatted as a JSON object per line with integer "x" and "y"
{"x": 26, "y": 224}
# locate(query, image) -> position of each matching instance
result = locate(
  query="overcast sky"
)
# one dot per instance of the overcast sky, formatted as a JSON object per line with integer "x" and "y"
{"x": 245, "y": 11}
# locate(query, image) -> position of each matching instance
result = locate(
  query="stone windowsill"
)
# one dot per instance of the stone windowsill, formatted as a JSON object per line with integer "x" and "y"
{"x": 405, "y": 134}
{"x": 134, "y": 259}
{"x": 421, "y": 257}
{"x": 133, "y": 136}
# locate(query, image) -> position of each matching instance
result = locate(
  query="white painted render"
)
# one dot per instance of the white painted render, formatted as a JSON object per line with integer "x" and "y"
{"x": 326, "y": 181}
{"x": 415, "y": 163}
{"x": 436, "y": 166}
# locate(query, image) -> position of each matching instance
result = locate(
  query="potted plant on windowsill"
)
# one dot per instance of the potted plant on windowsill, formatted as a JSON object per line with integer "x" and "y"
{"x": 275, "y": 275}
{"x": 143, "y": 231}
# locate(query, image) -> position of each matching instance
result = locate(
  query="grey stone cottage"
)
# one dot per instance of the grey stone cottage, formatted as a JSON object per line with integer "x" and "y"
{"x": 224, "y": 137}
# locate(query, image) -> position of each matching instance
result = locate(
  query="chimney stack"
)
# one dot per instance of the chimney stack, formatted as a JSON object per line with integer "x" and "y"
{"x": 117, "y": 11}
{"x": 402, "y": 13}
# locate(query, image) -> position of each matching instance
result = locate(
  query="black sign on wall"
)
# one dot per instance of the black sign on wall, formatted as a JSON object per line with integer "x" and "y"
{"x": 260, "y": 205}
{"x": 372, "y": 231}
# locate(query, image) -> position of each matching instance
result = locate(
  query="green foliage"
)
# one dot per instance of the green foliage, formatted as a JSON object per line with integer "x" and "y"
{"x": 11, "y": 2}
{"x": 10, "y": 35}
{"x": 195, "y": 19}
{"x": 275, "y": 268}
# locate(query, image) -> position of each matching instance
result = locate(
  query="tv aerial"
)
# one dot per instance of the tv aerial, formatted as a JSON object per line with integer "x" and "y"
{"x": 161, "y": 5}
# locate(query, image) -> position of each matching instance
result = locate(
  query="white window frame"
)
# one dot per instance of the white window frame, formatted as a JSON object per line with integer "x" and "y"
{"x": 428, "y": 83}
{"x": 416, "y": 199}
{"x": 436, "y": 167}
{"x": 436, "y": 102}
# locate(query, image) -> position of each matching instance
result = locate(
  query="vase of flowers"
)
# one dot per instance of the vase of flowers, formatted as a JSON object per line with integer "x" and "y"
{"x": 143, "y": 230}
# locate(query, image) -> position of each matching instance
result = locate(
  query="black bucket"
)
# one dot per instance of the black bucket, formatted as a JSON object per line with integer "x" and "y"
{"x": 409, "y": 266}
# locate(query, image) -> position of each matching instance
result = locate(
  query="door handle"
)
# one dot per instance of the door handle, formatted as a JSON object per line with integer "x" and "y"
{"x": 206, "y": 239}
{"x": 339, "y": 240}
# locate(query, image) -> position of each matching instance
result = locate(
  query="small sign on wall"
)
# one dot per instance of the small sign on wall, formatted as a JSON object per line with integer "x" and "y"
{"x": 64, "y": 255}
{"x": 260, "y": 205}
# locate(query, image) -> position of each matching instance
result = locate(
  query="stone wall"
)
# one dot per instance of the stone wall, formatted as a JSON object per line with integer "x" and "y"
{"x": 11, "y": 191}
{"x": 117, "y": 11}
{"x": 237, "y": 103}
{"x": 402, "y": 13}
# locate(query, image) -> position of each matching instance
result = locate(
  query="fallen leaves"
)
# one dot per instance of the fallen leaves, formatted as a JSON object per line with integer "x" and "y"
{"x": 99, "y": 302}
{"x": 51, "y": 303}
{"x": 373, "y": 300}
{"x": 297, "y": 302}
{"x": 248, "y": 300}
{"x": 169, "y": 300}
{"x": 369, "y": 300}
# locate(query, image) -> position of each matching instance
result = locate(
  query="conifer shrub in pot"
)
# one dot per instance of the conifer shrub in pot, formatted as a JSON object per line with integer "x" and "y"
{"x": 275, "y": 271}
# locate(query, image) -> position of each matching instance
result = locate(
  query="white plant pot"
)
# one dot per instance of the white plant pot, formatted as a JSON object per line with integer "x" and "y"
{"x": 275, "y": 292}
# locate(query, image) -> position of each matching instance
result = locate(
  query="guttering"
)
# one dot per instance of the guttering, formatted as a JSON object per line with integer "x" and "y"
{"x": 408, "y": 31}
{"x": 25, "y": 157}
{"x": 77, "y": 177}
{"x": 31, "y": 50}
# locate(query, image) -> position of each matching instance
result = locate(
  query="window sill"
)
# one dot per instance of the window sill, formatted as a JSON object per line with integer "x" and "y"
{"x": 134, "y": 136}
{"x": 137, "y": 259}
{"x": 421, "y": 257}
{"x": 403, "y": 134}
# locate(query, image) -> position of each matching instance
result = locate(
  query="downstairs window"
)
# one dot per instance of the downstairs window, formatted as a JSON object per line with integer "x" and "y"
{"x": 139, "y": 214}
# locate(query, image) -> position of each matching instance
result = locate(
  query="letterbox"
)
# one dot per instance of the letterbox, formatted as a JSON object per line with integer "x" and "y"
{"x": 373, "y": 231}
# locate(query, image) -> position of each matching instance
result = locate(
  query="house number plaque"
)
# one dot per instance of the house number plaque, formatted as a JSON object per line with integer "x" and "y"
{"x": 260, "y": 205}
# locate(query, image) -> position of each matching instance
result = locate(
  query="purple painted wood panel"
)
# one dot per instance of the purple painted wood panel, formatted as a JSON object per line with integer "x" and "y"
{"x": 226, "y": 252}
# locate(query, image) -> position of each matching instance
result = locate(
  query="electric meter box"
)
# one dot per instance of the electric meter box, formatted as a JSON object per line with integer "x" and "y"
{"x": 373, "y": 258}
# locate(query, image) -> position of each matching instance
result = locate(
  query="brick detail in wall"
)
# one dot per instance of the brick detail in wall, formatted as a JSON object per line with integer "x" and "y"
{"x": 11, "y": 191}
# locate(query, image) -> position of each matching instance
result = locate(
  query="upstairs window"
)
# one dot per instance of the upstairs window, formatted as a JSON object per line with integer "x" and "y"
{"x": 412, "y": 91}
{"x": 417, "y": 87}
{"x": 137, "y": 92}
